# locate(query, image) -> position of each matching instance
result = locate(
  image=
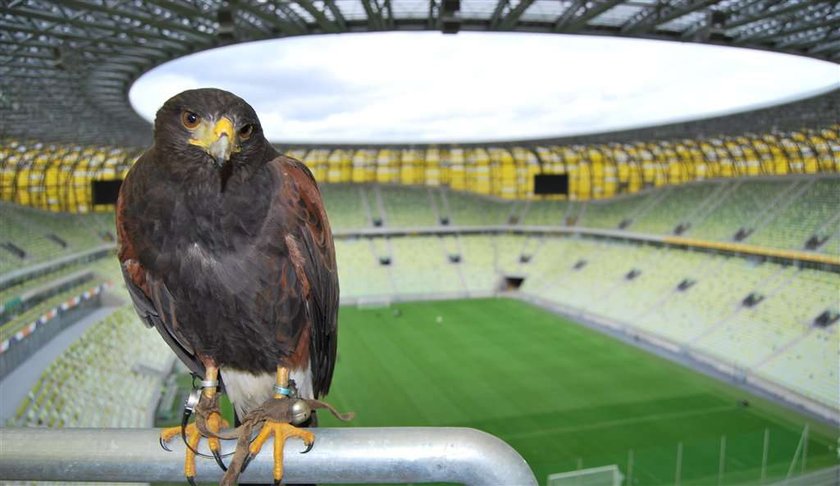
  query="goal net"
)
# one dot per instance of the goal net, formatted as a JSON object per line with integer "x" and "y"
{"x": 596, "y": 476}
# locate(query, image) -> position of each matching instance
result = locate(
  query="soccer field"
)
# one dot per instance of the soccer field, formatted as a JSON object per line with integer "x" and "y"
{"x": 563, "y": 395}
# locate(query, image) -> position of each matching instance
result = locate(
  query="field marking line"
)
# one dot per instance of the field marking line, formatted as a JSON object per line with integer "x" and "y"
{"x": 626, "y": 421}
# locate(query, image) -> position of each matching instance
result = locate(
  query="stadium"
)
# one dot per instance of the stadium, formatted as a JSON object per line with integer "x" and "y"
{"x": 645, "y": 306}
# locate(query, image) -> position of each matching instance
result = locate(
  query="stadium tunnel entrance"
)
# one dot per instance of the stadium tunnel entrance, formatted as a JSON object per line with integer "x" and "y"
{"x": 511, "y": 282}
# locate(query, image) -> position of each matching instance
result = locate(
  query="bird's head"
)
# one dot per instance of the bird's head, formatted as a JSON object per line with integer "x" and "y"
{"x": 208, "y": 127}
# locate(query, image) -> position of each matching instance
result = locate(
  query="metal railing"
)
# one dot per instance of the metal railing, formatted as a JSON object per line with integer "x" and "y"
{"x": 351, "y": 455}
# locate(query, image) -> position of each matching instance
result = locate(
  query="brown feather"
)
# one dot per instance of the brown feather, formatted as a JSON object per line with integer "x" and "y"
{"x": 245, "y": 276}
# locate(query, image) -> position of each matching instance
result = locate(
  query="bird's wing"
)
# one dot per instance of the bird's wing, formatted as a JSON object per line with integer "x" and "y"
{"x": 311, "y": 253}
{"x": 152, "y": 300}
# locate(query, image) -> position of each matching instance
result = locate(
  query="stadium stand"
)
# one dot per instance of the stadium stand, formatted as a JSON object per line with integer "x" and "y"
{"x": 743, "y": 205}
{"x": 22, "y": 302}
{"x": 58, "y": 177}
{"x": 746, "y": 312}
{"x": 478, "y": 264}
{"x": 693, "y": 299}
{"x": 800, "y": 218}
{"x": 678, "y": 206}
{"x": 710, "y": 316}
{"x": 344, "y": 205}
{"x": 421, "y": 266}
{"x": 766, "y": 178}
{"x": 18, "y": 322}
{"x": 113, "y": 374}
{"x": 13, "y": 297}
{"x": 770, "y": 338}
{"x": 794, "y": 367}
{"x": 42, "y": 236}
{"x": 404, "y": 208}
{"x": 36, "y": 174}
{"x": 359, "y": 257}
{"x": 469, "y": 210}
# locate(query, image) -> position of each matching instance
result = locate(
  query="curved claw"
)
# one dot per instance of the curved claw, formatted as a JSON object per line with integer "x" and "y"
{"x": 308, "y": 447}
{"x": 218, "y": 457}
{"x": 163, "y": 445}
{"x": 245, "y": 463}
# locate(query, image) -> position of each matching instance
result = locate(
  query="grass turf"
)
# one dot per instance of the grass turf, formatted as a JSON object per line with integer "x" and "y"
{"x": 563, "y": 395}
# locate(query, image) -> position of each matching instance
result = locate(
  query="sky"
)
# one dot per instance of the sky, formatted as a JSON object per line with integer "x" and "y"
{"x": 430, "y": 87}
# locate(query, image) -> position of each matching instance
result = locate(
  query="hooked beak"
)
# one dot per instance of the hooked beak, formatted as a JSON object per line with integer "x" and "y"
{"x": 217, "y": 140}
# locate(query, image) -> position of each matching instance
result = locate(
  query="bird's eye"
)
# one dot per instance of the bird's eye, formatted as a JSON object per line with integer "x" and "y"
{"x": 246, "y": 131}
{"x": 190, "y": 119}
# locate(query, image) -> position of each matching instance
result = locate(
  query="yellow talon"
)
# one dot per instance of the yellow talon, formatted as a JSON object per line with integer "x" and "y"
{"x": 282, "y": 432}
{"x": 193, "y": 437}
{"x": 274, "y": 415}
{"x": 213, "y": 424}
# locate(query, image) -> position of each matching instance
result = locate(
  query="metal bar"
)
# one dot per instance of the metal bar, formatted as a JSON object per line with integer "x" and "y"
{"x": 764, "y": 455}
{"x": 804, "y": 449}
{"x": 374, "y": 16}
{"x": 765, "y": 13}
{"x": 511, "y": 19}
{"x": 432, "y": 19}
{"x": 319, "y": 16}
{"x": 567, "y": 15}
{"x": 100, "y": 25}
{"x": 577, "y": 23}
{"x": 351, "y": 455}
{"x": 764, "y": 36}
{"x": 339, "y": 16}
{"x": 154, "y": 21}
{"x": 678, "y": 473}
{"x": 389, "y": 20}
{"x": 652, "y": 17}
{"x": 795, "y": 455}
{"x": 498, "y": 12}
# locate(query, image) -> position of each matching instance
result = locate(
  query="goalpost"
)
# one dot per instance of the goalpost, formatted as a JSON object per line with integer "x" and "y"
{"x": 596, "y": 476}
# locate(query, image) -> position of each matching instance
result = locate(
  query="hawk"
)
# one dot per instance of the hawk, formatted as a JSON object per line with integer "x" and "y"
{"x": 226, "y": 250}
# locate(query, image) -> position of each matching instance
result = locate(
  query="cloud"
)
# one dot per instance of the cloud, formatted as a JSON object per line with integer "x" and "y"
{"x": 429, "y": 87}
{"x": 148, "y": 96}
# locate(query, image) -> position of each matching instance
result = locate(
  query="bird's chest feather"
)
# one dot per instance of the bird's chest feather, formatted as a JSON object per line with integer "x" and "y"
{"x": 218, "y": 257}
{"x": 215, "y": 244}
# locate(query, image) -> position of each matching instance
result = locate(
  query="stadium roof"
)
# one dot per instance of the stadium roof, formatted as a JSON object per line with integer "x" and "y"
{"x": 66, "y": 67}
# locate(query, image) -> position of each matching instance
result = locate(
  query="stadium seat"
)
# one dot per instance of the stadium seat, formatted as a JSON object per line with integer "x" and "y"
{"x": 110, "y": 377}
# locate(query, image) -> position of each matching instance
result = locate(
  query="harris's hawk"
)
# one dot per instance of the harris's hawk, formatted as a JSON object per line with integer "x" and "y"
{"x": 226, "y": 250}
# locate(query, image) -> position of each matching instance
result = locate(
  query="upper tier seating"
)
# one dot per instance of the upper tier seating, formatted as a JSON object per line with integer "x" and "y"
{"x": 777, "y": 213}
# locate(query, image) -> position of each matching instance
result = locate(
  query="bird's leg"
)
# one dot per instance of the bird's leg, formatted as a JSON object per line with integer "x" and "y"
{"x": 276, "y": 416}
{"x": 208, "y": 423}
{"x": 209, "y": 419}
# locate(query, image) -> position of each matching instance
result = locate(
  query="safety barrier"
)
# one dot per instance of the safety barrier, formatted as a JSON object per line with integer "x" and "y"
{"x": 349, "y": 455}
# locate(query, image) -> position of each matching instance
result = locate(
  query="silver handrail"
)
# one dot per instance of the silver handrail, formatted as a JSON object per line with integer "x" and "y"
{"x": 350, "y": 455}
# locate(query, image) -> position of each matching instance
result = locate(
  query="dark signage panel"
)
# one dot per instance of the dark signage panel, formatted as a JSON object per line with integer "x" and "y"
{"x": 551, "y": 184}
{"x": 105, "y": 192}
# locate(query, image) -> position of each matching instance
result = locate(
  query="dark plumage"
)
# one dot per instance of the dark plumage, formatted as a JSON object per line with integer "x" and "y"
{"x": 232, "y": 261}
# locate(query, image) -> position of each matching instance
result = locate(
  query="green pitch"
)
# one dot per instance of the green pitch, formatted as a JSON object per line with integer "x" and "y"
{"x": 563, "y": 395}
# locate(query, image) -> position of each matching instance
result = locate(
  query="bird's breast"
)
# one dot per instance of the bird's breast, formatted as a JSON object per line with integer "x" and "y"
{"x": 196, "y": 253}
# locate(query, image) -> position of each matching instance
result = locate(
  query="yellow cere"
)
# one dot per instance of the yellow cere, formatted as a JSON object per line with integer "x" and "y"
{"x": 204, "y": 135}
